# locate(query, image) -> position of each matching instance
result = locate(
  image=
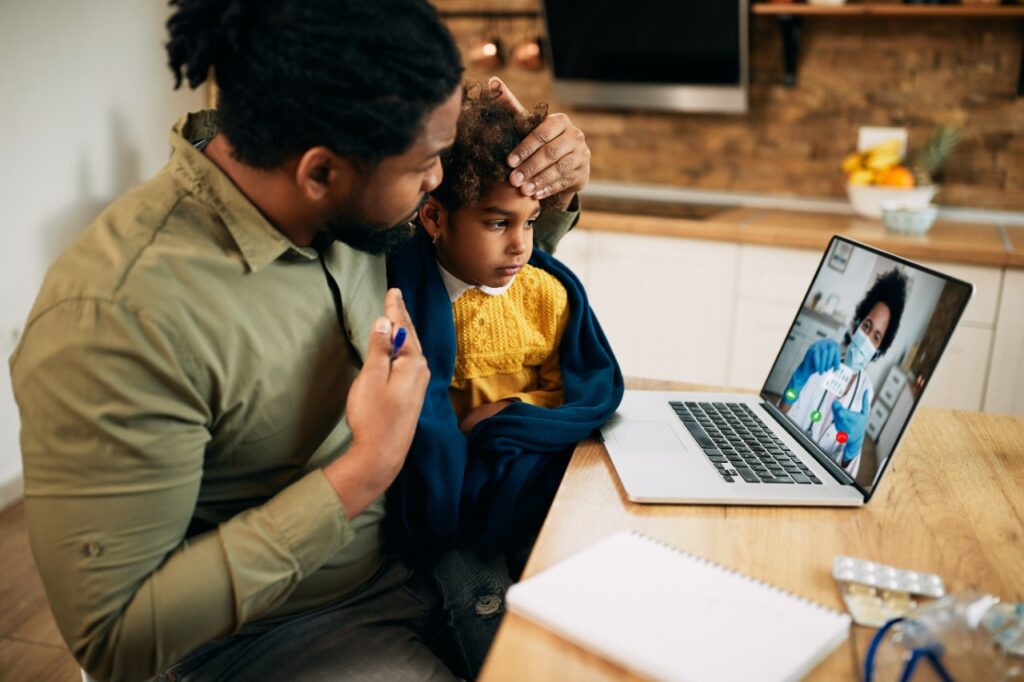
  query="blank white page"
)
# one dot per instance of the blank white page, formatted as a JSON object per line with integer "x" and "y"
{"x": 673, "y": 616}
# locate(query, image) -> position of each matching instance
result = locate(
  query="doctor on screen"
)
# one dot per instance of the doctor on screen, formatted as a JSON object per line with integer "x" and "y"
{"x": 837, "y": 419}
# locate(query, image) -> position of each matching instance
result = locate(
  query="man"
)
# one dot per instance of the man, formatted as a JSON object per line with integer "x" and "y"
{"x": 210, "y": 408}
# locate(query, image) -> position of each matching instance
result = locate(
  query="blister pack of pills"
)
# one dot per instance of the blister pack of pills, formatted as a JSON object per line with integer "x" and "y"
{"x": 836, "y": 381}
{"x": 875, "y": 593}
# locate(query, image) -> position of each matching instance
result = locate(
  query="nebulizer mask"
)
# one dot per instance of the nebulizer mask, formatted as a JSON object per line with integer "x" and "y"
{"x": 961, "y": 637}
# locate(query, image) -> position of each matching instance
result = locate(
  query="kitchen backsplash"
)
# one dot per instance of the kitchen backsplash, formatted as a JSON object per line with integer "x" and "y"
{"x": 907, "y": 72}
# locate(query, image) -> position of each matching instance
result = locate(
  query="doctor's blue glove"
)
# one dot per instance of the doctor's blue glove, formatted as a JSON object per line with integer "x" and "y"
{"x": 821, "y": 357}
{"x": 854, "y": 424}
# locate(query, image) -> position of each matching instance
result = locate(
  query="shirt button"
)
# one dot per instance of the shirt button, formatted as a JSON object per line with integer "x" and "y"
{"x": 92, "y": 549}
{"x": 488, "y": 606}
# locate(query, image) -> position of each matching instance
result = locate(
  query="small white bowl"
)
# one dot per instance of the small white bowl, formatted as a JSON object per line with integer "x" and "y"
{"x": 905, "y": 220}
{"x": 867, "y": 200}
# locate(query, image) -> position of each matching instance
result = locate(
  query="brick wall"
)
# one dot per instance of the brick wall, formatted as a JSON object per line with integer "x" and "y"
{"x": 853, "y": 71}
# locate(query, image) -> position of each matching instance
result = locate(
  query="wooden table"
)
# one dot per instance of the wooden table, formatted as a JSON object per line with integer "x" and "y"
{"x": 951, "y": 503}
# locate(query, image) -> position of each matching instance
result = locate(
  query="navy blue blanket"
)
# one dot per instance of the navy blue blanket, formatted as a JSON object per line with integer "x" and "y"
{"x": 483, "y": 490}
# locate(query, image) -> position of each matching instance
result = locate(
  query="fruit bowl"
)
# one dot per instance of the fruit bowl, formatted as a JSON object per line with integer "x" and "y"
{"x": 905, "y": 220}
{"x": 867, "y": 200}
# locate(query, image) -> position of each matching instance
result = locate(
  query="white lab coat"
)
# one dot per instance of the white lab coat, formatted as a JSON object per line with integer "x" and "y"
{"x": 824, "y": 431}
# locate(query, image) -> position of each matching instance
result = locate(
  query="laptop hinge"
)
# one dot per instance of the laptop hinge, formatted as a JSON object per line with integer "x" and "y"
{"x": 809, "y": 445}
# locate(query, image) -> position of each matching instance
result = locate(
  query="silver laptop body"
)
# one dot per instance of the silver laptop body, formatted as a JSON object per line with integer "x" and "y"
{"x": 652, "y": 443}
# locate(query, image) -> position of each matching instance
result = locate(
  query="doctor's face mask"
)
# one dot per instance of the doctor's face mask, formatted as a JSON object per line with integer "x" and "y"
{"x": 860, "y": 352}
{"x": 868, "y": 338}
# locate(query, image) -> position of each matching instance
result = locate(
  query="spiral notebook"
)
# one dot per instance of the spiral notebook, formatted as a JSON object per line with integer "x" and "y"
{"x": 671, "y": 615}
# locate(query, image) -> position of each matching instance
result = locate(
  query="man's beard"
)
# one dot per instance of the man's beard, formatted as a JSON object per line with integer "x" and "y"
{"x": 348, "y": 227}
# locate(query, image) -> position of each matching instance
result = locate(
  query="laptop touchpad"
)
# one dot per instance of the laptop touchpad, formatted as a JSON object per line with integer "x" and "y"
{"x": 647, "y": 436}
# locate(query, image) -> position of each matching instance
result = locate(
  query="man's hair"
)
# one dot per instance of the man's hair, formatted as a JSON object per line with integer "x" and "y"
{"x": 890, "y": 289}
{"x": 487, "y": 133}
{"x": 356, "y": 76}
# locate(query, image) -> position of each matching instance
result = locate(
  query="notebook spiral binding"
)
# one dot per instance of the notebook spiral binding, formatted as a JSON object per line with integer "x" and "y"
{"x": 744, "y": 576}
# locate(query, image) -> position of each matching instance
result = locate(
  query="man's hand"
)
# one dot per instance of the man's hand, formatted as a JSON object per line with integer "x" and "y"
{"x": 478, "y": 414}
{"x": 553, "y": 160}
{"x": 383, "y": 407}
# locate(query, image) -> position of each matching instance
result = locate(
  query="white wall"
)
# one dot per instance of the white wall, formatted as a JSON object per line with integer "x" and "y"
{"x": 86, "y": 102}
{"x": 849, "y": 285}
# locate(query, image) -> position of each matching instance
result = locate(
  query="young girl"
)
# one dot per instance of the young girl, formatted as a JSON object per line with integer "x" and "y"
{"x": 520, "y": 372}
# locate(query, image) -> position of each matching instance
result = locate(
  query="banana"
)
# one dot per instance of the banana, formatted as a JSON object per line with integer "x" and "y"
{"x": 852, "y": 162}
{"x": 861, "y": 176}
{"x": 868, "y": 167}
{"x": 887, "y": 147}
{"x": 883, "y": 160}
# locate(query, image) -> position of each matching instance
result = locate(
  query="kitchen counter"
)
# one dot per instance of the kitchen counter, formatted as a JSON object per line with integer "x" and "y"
{"x": 947, "y": 241}
{"x": 1015, "y": 239}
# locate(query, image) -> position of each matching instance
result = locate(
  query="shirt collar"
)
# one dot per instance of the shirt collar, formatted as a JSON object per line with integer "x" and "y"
{"x": 456, "y": 287}
{"x": 259, "y": 242}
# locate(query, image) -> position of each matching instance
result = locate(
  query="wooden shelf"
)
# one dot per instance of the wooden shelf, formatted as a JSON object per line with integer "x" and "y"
{"x": 790, "y": 16}
{"x": 890, "y": 10}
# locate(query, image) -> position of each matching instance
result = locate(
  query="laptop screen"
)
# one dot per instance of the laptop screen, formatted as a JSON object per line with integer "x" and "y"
{"x": 865, "y": 342}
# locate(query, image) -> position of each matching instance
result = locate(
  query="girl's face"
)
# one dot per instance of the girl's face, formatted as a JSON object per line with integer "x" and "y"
{"x": 489, "y": 242}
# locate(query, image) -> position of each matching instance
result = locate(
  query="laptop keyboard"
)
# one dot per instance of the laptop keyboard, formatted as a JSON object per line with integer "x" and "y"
{"x": 740, "y": 445}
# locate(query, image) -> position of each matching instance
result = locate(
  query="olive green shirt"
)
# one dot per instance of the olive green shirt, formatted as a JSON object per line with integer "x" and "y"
{"x": 182, "y": 381}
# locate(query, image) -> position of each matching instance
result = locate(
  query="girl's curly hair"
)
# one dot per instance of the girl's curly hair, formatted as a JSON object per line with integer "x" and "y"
{"x": 487, "y": 133}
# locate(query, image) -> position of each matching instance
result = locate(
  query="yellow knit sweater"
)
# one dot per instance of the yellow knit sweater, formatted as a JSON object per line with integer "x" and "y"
{"x": 507, "y": 345}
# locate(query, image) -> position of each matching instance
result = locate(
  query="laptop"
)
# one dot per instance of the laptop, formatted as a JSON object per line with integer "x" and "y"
{"x": 860, "y": 351}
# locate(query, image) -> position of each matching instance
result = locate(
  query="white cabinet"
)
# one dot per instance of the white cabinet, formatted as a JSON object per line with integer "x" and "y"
{"x": 892, "y": 386}
{"x": 574, "y": 251}
{"x": 1005, "y": 391}
{"x": 781, "y": 275}
{"x": 987, "y": 281}
{"x": 959, "y": 381}
{"x": 876, "y": 420}
{"x": 888, "y": 396}
{"x": 666, "y": 304}
{"x": 760, "y": 328}
{"x": 772, "y": 284}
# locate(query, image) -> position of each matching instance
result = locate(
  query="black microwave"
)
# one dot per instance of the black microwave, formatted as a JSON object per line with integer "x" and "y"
{"x": 670, "y": 55}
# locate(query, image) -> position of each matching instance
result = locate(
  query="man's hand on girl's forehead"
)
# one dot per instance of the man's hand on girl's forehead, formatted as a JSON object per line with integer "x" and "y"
{"x": 553, "y": 160}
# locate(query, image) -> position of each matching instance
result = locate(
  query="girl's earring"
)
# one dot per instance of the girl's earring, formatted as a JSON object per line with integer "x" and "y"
{"x": 437, "y": 238}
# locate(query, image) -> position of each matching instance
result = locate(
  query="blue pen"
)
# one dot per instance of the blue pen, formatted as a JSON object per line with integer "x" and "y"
{"x": 398, "y": 342}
